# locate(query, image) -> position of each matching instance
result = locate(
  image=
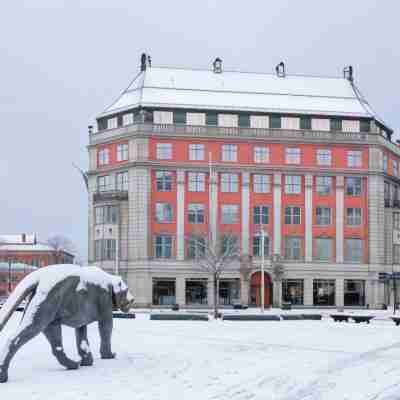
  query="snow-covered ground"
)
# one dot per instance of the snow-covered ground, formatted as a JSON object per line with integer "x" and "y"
{"x": 193, "y": 360}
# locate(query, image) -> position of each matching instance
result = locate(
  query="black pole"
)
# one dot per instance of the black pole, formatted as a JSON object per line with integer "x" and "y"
{"x": 9, "y": 276}
{"x": 395, "y": 293}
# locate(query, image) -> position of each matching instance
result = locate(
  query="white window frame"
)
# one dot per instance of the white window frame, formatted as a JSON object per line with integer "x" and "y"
{"x": 261, "y": 183}
{"x": 293, "y": 155}
{"x": 320, "y": 185}
{"x": 127, "y": 119}
{"x": 325, "y": 217}
{"x": 165, "y": 178}
{"x": 229, "y": 214}
{"x": 324, "y": 157}
{"x": 346, "y": 253}
{"x": 395, "y": 168}
{"x": 293, "y": 184}
{"x": 291, "y": 215}
{"x": 196, "y": 152}
{"x": 229, "y": 152}
{"x": 385, "y": 163}
{"x": 318, "y": 253}
{"x": 164, "y": 151}
{"x": 164, "y": 213}
{"x": 112, "y": 123}
{"x": 107, "y": 183}
{"x": 122, "y": 181}
{"x": 229, "y": 183}
{"x": 261, "y": 155}
{"x": 356, "y": 218}
{"x": 354, "y": 158}
{"x": 196, "y": 210}
{"x": 104, "y": 156}
{"x": 122, "y": 151}
{"x": 196, "y": 181}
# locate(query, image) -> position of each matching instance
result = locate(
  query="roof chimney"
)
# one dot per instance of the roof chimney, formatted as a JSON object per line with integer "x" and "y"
{"x": 23, "y": 236}
{"x": 280, "y": 70}
{"x": 217, "y": 65}
{"x": 143, "y": 62}
{"x": 348, "y": 73}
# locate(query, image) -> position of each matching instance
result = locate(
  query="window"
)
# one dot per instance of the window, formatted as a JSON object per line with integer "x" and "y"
{"x": 293, "y": 291}
{"x": 229, "y": 183}
{"x": 275, "y": 121}
{"x": 103, "y": 183}
{"x": 229, "y": 214}
{"x": 104, "y": 156}
{"x": 261, "y": 183}
{"x": 336, "y": 124}
{"x": 229, "y": 152}
{"x": 196, "y": 213}
{"x": 196, "y": 291}
{"x": 127, "y": 119}
{"x": 396, "y": 220}
{"x": 122, "y": 181}
{"x": 292, "y": 215}
{"x": 323, "y": 215}
{"x": 112, "y": 123}
{"x": 122, "y": 152}
{"x": 257, "y": 246}
{"x": 196, "y": 247}
{"x": 164, "y": 151}
{"x": 163, "y": 292}
{"x": 365, "y": 125}
{"x": 261, "y": 154}
{"x": 305, "y": 123}
{"x": 354, "y": 159}
{"x": 396, "y": 253}
{"x": 292, "y": 155}
{"x": 323, "y": 249}
{"x": 324, "y": 292}
{"x": 164, "y": 181}
{"x": 106, "y": 215}
{"x": 229, "y": 244}
{"x": 353, "y": 186}
{"x": 395, "y": 167}
{"x": 197, "y": 181}
{"x": 353, "y": 216}
{"x": 196, "y": 152}
{"x": 324, "y": 157}
{"x": 292, "y": 184}
{"x": 353, "y": 250}
{"x": 292, "y": 248}
{"x": 179, "y": 117}
{"x": 324, "y": 185}
{"x": 211, "y": 119}
{"x": 385, "y": 163}
{"x": 229, "y": 291}
{"x": 244, "y": 120}
{"x": 354, "y": 292}
{"x": 105, "y": 249}
{"x": 163, "y": 246}
{"x": 261, "y": 215}
{"x": 164, "y": 213}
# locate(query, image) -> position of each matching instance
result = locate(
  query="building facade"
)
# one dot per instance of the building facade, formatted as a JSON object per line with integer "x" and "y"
{"x": 304, "y": 158}
{"x": 21, "y": 254}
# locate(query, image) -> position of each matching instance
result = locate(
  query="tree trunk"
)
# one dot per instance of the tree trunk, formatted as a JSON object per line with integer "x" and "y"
{"x": 216, "y": 296}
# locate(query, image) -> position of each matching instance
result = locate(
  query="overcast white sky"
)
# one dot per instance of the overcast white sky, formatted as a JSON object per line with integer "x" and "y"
{"x": 62, "y": 62}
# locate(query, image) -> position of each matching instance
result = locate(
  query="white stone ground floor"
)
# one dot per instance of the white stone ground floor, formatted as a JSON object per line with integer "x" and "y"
{"x": 302, "y": 285}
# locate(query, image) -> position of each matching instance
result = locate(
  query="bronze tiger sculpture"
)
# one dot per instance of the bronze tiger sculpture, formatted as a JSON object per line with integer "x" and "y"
{"x": 64, "y": 295}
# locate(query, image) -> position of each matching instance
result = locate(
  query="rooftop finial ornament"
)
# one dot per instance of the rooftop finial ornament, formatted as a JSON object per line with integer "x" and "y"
{"x": 280, "y": 70}
{"x": 143, "y": 62}
{"x": 217, "y": 65}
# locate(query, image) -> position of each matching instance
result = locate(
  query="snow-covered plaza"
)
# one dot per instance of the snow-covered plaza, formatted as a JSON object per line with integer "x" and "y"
{"x": 287, "y": 360}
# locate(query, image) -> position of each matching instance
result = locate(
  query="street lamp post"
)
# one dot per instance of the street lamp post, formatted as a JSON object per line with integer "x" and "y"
{"x": 262, "y": 269}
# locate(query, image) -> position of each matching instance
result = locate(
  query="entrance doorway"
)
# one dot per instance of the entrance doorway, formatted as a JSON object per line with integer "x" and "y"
{"x": 255, "y": 292}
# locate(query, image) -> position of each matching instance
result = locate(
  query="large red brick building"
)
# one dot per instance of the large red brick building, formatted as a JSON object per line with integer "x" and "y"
{"x": 21, "y": 254}
{"x": 303, "y": 156}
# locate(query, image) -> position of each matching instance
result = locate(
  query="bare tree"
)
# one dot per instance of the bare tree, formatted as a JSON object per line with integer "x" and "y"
{"x": 61, "y": 244}
{"x": 214, "y": 255}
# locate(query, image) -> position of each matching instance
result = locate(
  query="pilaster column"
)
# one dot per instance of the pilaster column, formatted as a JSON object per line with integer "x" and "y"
{"x": 245, "y": 212}
{"x": 244, "y": 290}
{"x": 308, "y": 217}
{"x": 308, "y": 292}
{"x": 339, "y": 218}
{"x": 210, "y": 292}
{"x": 277, "y": 212}
{"x": 213, "y": 204}
{"x": 277, "y": 293}
{"x": 180, "y": 297}
{"x": 339, "y": 292}
{"x": 180, "y": 215}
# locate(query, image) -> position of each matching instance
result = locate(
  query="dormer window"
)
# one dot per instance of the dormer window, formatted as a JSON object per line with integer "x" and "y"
{"x": 336, "y": 124}
{"x": 112, "y": 123}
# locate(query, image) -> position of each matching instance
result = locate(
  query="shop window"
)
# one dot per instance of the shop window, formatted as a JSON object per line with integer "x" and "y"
{"x": 164, "y": 292}
{"x": 293, "y": 291}
{"x": 354, "y": 292}
{"x": 196, "y": 291}
{"x": 324, "y": 292}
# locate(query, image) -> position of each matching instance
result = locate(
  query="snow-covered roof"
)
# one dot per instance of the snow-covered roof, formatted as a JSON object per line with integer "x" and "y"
{"x": 241, "y": 91}
{"x": 26, "y": 247}
{"x": 17, "y": 239}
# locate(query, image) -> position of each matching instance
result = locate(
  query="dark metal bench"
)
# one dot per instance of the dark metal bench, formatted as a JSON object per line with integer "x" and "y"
{"x": 340, "y": 317}
{"x": 292, "y": 317}
{"x": 178, "y": 317}
{"x": 362, "y": 318}
{"x": 312, "y": 317}
{"x": 251, "y": 317}
{"x": 123, "y": 315}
